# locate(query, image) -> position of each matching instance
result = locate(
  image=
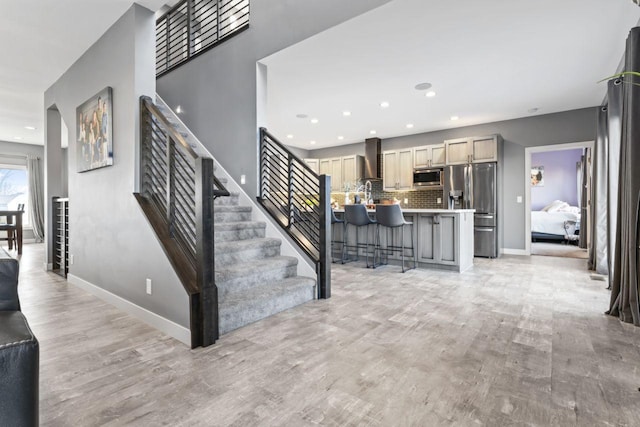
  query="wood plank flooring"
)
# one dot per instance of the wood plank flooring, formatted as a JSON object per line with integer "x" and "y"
{"x": 514, "y": 341}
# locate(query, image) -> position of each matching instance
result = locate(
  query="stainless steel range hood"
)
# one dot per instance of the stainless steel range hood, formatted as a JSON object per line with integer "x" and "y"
{"x": 372, "y": 158}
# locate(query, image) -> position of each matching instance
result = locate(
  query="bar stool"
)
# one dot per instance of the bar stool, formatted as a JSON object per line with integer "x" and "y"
{"x": 356, "y": 215}
{"x": 390, "y": 216}
{"x": 334, "y": 242}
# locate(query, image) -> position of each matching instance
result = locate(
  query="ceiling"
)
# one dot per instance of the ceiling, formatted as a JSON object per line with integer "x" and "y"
{"x": 39, "y": 41}
{"x": 487, "y": 60}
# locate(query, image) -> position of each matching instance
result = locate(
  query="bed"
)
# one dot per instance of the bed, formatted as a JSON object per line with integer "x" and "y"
{"x": 549, "y": 223}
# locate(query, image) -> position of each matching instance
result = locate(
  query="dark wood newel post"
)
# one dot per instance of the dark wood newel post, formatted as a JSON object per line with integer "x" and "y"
{"x": 205, "y": 251}
{"x": 324, "y": 263}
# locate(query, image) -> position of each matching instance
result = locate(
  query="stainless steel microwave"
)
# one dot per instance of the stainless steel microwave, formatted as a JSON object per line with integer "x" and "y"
{"x": 425, "y": 178}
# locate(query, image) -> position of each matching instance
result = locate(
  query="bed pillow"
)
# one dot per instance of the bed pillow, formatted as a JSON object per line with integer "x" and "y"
{"x": 555, "y": 206}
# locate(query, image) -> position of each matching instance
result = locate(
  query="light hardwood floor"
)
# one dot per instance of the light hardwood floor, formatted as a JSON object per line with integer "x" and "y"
{"x": 515, "y": 341}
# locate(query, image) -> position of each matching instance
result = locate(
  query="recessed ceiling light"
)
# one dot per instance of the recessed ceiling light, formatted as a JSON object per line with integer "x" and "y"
{"x": 423, "y": 86}
{"x": 301, "y": 116}
{"x": 314, "y": 121}
{"x": 290, "y": 136}
{"x": 346, "y": 113}
{"x": 409, "y": 125}
{"x": 341, "y": 137}
{"x": 17, "y": 137}
{"x": 312, "y": 142}
{"x": 372, "y": 132}
{"x": 533, "y": 110}
{"x": 30, "y": 127}
{"x": 454, "y": 118}
{"x": 430, "y": 94}
{"x": 384, "y": 104}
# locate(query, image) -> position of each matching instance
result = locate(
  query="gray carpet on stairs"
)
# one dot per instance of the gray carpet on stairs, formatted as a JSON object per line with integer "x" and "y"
{"x": 254, "y": 281}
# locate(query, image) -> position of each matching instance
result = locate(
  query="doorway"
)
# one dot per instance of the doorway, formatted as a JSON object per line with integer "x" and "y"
{"x": 557, "y": 199}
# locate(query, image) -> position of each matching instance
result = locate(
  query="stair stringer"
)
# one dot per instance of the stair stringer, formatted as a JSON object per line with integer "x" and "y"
{"x": 288, "y": 248}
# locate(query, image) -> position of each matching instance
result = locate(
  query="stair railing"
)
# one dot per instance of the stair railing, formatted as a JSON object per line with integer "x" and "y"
{"x": 177, "y": 192}
{"x": 192, "y": 27}
{"x": 300, "y": 202}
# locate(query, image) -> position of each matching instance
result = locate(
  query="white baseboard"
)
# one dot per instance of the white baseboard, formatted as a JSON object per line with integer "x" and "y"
{"x": 167, "y": 326}
{"x": 507, "y": 251}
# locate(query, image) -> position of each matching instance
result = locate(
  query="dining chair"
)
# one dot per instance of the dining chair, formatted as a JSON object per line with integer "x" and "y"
{"x": 11, "y": 228}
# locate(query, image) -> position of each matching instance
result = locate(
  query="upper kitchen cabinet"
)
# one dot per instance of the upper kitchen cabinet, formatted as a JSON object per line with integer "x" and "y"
{"x": 337, "y": 183}
{"x": 343, "y": 170}
{"x": 397, "y": 170}
{"x": 352, "y": 170}
{"x": 484, "y": 149}
{"x": 314, "y": 165}
{"x": 472, "y": 150}
{"x": 429, "y": 156}
{"x": 325, "y": 167}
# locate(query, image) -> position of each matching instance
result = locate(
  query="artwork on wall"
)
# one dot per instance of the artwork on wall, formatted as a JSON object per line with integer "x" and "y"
{"x": 537, "y": 176}
{"x": 94, "y": 130}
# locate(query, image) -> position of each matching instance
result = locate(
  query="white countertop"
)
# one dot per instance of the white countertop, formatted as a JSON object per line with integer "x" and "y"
{"x": 423, "y": 210}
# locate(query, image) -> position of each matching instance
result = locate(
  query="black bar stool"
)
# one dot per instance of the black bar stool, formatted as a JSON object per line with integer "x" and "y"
{"x": 334, "y": 242}
{"x": 390, "y": 216}
{"x": 356, "y": 215}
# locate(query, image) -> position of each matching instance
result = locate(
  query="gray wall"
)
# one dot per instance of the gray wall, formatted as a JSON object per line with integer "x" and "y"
{"x": 12, "y": 153}
{"x": 548, "y": 129}
{"x": 218, "y": 89}
{"x": 113, "y": 245}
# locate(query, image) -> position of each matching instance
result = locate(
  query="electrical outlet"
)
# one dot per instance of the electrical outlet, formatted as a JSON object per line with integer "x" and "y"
{"x": 70, "y": 259}
{"x": 439, "y": 200}
{"x": 148, "y": 286}
{"x": 519, "y": 199}
{"x": 243, "y": 179}
{"x": 406, "y": 201}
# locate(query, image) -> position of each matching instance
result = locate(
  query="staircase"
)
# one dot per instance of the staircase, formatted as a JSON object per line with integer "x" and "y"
{"x": 254, "y": 281}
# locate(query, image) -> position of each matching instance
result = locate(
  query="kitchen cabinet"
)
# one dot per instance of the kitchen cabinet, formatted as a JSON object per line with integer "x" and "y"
{"x": 352, "y": 171}
{"x": 429, "y": 156}
{"x": 437, "y": 237}
{"x": 484, "y": 149}
{"x": 472, "y": 150}
{"x": 343, "y": 170}
{"x": 397, "y": 170}
{"x": 444, "y": 239}
{"x": 314, "y": 165}
{"x": 335, "y": 170}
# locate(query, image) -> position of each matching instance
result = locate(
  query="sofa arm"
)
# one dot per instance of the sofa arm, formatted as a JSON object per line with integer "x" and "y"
{"x": 9, "y": 269}
{"x": 19, "y": 371}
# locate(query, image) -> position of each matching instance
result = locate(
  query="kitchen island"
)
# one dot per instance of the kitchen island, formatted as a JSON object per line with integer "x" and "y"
{"x": 443, "y": 237}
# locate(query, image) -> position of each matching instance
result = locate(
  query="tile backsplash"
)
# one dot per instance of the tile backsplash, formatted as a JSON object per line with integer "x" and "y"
{"x": 417, "y": 199}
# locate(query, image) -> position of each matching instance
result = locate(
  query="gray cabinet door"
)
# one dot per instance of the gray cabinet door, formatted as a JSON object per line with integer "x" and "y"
{"x": 426, "y": 229}
{"x": 448, "y": 238}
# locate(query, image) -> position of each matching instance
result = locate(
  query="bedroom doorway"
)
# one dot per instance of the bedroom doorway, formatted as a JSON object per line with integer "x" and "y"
{"x": 558, "y": 196}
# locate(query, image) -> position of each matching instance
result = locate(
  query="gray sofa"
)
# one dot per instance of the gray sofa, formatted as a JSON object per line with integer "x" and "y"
{"x": 19, "y": 353}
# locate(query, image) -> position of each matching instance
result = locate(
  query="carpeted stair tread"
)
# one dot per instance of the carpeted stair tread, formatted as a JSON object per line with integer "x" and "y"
{"x": 237, "y": 310}
{"x": 224, "y": 226}
{"x": 243, "y": 245}
{"x": 228, "y": 231}
{"x": 244, "y": 275}
{"x": 232, "y": 209}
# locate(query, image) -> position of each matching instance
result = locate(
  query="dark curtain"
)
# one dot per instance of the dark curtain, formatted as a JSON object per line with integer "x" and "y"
{"x": 614, "y": 126}
{"x": 598, "y": 250}
{"x": 624, "y": 292}
{"x": 584, "y": 184}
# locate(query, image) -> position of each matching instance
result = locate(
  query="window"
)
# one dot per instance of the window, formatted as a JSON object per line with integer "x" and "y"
{"x": 14, "y": 189}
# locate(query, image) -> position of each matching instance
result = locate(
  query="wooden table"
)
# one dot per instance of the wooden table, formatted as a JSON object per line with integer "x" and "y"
{"x": 18, "y": 215}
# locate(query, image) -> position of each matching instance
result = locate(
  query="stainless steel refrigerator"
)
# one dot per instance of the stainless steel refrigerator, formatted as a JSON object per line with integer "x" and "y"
{"x": 474, "y": 186}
